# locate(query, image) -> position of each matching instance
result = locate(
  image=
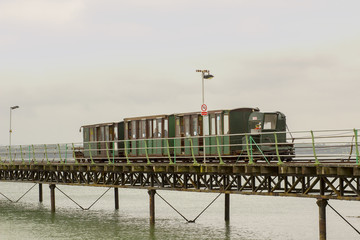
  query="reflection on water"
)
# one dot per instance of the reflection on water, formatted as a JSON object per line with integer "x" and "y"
{"x": 252, "y": 217}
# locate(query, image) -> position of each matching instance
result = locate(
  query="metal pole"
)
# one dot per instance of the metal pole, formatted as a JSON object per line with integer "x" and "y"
{"x": 52, "y": 197}
{"x": 152, "y": 206}
{"x": 203, "y": 98}
{"x": 203, "y": 118}
{"x": 40, "y": 192}
{"x": 116, "y": 193}
{"x": 322, "y": 218}
{"x": 227, "y": 207}
{"x": 10, "y": 129}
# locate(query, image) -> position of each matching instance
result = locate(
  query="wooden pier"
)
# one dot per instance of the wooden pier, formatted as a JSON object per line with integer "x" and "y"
{"x": 319, "y": 181}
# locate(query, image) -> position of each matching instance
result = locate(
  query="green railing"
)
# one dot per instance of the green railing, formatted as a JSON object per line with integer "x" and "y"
{"x": 268, "y": 147}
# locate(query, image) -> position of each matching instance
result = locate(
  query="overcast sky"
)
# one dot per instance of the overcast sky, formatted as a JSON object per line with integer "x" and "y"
{"x": 75, "y": 62}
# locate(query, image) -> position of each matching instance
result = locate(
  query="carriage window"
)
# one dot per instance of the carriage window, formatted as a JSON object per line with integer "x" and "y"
{"x": 206, "y": 125}
{"x": 159, "y": 127}
{"x": 101, "y": 133}
{"x": 194, "y": 125}
{"x": 182, "y": 128}
{"x": 98, "y": 134}
{"x": 213, "y": 129}
{"x": 150, "y": 128}
{"x": 200, "y": 125}
{"x": 270, "y": 121}
{"x": 218, "y": 124}
{"x": 133, "y": 130}
{"x": 226, "y": 123}
{"x": 91, "y": 134}
{"x": 165, "y": 128}
{"x": 86, "y": 134}
{"x": 111, "y": 133}
{"x": 95, "y": 134}
{"x": 154, "y": 128}
{"x": 143, "y": 128}
{"x": 128, "y": 130}
{"x": 115, "y": 137}
{"x": 116, "y": 132}
{"x": 177, "y": 127}
{"x": 187, "y": 126}
{"x": 106, "y": 133}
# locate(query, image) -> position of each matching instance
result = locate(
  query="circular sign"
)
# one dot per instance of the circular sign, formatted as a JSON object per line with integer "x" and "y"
{"x": 203, "y": 107}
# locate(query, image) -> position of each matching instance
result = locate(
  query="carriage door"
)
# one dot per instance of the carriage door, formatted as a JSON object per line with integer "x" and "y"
{"x": 142, "y": 143}
{"x": 86, "y": 137}
{"x": 226, "y": 138}
{"x": 179, "y": 131}
{"x": 165, "y": 141}
{"x": 187, "y": 144}
{"x": 92, "y": 139}
{"x": 114, "y": 145}
{"x": 212, "y": 143}
{"x": 206, "y": 132}
{"x": 195, "y": 133}
{"x": 107, "y": 139}
{"x": 158, "y": 135}
{"x": 149, "y": 135}
{"x": 133, "y": 138}
{"x": 100, "y": 140}
{"x": 219, "y": 132}
{"x": 127, "y": 136}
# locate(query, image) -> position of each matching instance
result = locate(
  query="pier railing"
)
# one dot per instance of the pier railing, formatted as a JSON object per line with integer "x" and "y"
{"x": 299, "y": 146}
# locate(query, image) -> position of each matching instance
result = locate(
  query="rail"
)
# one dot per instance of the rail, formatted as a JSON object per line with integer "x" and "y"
{"x": 299, "y": 146}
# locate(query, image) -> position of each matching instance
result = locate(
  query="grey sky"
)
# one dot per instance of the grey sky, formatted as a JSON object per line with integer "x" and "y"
{"x": 70, "y": 63}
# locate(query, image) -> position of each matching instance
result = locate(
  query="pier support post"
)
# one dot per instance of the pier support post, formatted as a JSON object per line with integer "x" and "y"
{"x": 52, "y": 197}
{"x": 40, "y": 192}
{"x": 322, "y": 218}
{"x": 116, "y": 193}
{"x": 152, "y": 206}
{"x": 227, "y": 207}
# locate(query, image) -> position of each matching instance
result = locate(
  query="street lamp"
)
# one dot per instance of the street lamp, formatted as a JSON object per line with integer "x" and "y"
{"x": 10, "y": 131}
{"x": 205, "y": 74}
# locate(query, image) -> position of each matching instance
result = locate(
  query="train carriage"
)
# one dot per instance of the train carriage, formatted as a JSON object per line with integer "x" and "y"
{"x": 186, "y": 136}
{"x": 99, "y": 139}
{"x": 145, "y": 136}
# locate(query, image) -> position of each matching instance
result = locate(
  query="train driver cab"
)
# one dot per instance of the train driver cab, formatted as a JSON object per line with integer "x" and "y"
{"x": 266, "y": 122}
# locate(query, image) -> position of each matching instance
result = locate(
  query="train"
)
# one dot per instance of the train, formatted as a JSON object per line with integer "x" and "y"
{"x": 221, "y": 135}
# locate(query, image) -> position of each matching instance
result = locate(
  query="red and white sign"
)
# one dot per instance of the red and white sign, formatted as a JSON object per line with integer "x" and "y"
{"x": 204, "y": 110}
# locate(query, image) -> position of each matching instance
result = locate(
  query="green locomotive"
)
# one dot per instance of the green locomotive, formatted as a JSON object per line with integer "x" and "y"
{"x": 222, "y": 134}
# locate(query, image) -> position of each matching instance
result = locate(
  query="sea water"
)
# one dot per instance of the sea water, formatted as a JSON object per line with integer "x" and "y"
{"x": 251, "y": 217}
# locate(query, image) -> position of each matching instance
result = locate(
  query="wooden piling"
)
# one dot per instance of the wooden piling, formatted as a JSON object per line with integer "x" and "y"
{"x": 227, "y": 207}
{"x": 116, "y": 195}
{"x": 52, "y": 197}
{"x": 322, "y": 218}
{"x": 152, "y": 206}
{"x": 40, "y": 193}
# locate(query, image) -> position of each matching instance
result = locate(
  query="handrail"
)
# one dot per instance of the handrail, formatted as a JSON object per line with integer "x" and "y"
{"x": 314, "y": 146}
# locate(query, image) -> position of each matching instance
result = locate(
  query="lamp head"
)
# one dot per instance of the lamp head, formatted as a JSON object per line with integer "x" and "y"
{"x": 208, "y": 76}
{"x": 14, "y": 107}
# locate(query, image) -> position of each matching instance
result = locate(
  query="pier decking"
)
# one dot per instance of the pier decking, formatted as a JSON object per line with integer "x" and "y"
{"x": 325, "y": 181}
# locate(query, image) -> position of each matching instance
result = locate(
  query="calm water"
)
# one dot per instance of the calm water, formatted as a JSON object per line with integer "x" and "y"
{"x": 252, "y": 217}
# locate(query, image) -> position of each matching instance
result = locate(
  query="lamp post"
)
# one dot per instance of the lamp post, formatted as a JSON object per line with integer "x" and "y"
{"x": 10, "y": 131}
{"x": 205, "y": 74}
